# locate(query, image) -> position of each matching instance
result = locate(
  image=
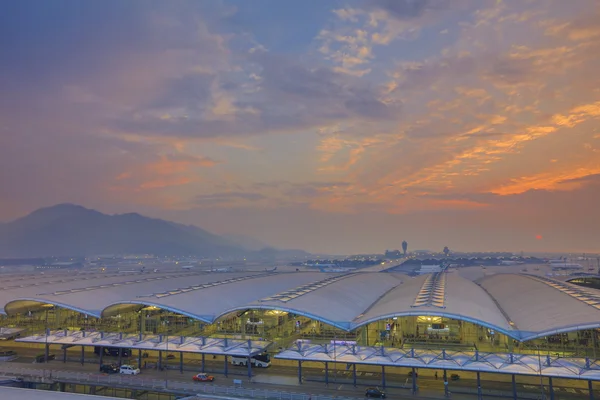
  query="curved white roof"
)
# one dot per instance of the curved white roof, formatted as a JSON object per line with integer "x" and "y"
{"x": 521, "y": 306}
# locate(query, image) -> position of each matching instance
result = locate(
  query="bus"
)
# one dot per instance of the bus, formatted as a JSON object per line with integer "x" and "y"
{"x": 113, "y": 351}
{"x": 259, "y": 360}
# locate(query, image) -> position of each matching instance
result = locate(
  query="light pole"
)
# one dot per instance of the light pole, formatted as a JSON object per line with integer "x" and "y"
{"x": 334, "y": 356}
{"x": 167, "y": 360}
{"x": 46, "y": 338}
{"x": 540, "y": 371}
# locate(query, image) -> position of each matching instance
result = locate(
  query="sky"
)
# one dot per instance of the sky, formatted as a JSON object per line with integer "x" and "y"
{"x": 332, "y": 126}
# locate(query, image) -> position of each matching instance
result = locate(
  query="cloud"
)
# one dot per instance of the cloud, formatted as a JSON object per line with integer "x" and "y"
{"x": 377, "y": 115}
{"x": 164, "y": 171}
{"x": 406, "y": 9}
{"x": 556, "y": 180}
{"x": 305, "y": 97}
{"x": 225, "y": 198}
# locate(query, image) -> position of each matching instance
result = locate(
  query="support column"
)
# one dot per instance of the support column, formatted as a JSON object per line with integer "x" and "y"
{"x": 120, "y": 356}
{"x": 226, "y": 366}
{"x": 101, "y": 354}
{"x": 446, "y": 392}
{"x": 249, "y": 368}
{"x": 354, "y": 374}
{"x": 479, "y": 393}
{"x": 82, "y": 355}
{"x": 514, "y": 386}
{"x": 383, "y": 376}
{"x": 203, "y": 362}
{"x": 140, "y": 358}
{"x": 160, "y": 360}
{"x": 326, "y": 373}
{"x": 181, "y": 362}
{"x": 300, "y": 372}
{"x": 414, "y": 381}
{"x": 64, "y": 355}
{"x": 46, "y": 353}
{"x": 550, "y": 388}
{"x": 591, "y": 390}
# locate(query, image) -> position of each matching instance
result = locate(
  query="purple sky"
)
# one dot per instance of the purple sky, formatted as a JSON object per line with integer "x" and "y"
{"x": 333, "y": 126}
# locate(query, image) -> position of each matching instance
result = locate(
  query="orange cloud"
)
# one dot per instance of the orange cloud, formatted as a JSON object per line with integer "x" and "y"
{"x": 578, "y": 115}
{"x": 547, "y": 181}
{"x": 169, "y": 165}
{"x": 167, "y": 171}
{"x": 165, "y": 182}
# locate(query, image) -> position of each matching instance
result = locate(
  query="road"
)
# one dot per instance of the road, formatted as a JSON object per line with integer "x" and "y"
{"x": 285, "y": 377}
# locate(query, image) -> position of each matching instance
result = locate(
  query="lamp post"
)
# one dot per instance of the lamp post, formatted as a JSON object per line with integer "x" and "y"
{"x": 334, "y": 356}
{"x": 540, "y": 371}
{"x": 46, "y": 338}
{"x": 167, "y": 360}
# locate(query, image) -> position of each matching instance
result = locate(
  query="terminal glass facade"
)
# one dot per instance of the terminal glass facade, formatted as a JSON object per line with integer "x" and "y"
{"x": 284, "y": 329}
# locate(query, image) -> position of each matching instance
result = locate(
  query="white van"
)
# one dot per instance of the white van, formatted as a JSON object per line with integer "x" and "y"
{"x": 129, "y": 370}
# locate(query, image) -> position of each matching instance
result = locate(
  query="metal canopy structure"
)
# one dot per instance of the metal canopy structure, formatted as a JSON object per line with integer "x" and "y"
{"x": 180, "y": 344}
{"x": 522, "y": 307}
{"x": 474, "y": 361}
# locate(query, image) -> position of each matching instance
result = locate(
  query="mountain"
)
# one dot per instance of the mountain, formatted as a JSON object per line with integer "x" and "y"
{"x": 72, "y": 230}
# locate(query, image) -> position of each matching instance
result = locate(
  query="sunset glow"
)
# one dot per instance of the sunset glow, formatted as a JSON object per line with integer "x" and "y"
{"x": 332, "y": 126}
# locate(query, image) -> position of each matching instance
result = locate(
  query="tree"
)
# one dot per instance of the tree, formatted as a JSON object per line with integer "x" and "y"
{"x": 446, "y": 251}
{"x": 404, "y": 247}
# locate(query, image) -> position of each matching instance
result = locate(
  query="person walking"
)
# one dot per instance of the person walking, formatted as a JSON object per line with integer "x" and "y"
{"x": 436, "y": 376}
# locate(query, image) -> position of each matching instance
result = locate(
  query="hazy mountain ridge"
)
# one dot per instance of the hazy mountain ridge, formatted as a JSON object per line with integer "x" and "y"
{"x": 70, "y": 230}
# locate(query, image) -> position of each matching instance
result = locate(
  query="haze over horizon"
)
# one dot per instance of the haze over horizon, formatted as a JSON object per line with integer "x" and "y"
{"x": 337, "y": 127}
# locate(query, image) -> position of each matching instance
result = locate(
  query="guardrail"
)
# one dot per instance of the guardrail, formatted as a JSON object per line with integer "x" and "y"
{"x": 159, "y": 385}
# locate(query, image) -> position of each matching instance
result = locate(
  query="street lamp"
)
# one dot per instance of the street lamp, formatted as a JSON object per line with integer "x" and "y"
{"x": 46, "y": 338}
{"x": 540, "y": 371}
{"x": 334, "y": 356}
{"x": 167, "y": 360}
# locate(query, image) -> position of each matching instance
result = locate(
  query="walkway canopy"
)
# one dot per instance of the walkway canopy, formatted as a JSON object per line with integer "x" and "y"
{"x": 519, "y": 364}
{"x": 181, "y": 344}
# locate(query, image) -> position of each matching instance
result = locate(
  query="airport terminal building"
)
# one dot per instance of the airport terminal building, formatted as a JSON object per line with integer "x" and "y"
{"x": 512, "y": 324}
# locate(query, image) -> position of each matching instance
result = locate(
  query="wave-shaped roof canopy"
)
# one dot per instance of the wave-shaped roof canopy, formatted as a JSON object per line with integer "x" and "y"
{"x": 520, "y": 306}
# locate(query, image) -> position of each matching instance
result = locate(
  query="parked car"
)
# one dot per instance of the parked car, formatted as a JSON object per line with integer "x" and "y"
{"x": 129, "y": 370}
{"x": 202, "y": 377}
{"x": 109, "y": 368}
{"x": 454, "y": 377}
{"x": 374, "y": 392}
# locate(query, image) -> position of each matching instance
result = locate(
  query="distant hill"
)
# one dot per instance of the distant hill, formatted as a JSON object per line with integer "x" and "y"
{"x": 72, "y": 230}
